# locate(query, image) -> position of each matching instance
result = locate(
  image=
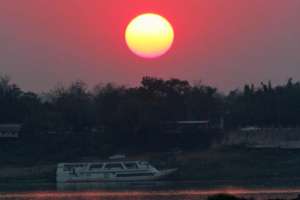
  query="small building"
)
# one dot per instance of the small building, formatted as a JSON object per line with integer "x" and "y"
{"x": 178, "y": 127}
{"x": 10, "y": 130}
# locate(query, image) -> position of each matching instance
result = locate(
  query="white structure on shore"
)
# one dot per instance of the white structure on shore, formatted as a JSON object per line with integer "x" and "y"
{"x": 10, "y": 130}
{"x": 254, "y": 137}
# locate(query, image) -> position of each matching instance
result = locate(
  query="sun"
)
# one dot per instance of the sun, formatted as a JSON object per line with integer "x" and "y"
{"x": 149, "y": 35}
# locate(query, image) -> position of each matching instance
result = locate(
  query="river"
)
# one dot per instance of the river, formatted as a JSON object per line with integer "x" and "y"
{"x": 146, "y": 191}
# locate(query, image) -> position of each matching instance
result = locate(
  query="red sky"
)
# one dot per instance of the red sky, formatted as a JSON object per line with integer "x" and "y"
{"x": 225, "y": 43}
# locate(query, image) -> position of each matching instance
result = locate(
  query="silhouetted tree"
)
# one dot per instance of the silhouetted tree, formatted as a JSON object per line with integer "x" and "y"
{"x": 112, "y": 118}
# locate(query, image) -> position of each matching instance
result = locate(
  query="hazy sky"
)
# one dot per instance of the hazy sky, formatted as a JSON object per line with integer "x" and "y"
{"x": 225, "y": 43}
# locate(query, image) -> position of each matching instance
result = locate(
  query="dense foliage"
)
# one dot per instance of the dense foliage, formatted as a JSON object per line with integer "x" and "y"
{"x": 109, "y": 117}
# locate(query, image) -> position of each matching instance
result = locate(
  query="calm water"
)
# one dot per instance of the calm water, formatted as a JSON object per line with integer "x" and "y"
{"x": 145, "y": 195}
{"x": 152, "y": 191}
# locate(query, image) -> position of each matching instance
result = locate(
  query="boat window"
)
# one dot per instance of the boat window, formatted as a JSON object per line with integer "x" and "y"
{"x": 131, "y": 165}
{"x": 78, "y": 165}
{"x": 144, "y": 164}
{"x": 96, "y": 166}
{"x": 113, "y": 166}
{"x": 72, "y": 166}
{"x": 67, "y": 167}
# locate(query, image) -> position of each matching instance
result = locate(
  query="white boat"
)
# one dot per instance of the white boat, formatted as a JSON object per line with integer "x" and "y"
{"x": 114, "y": 171}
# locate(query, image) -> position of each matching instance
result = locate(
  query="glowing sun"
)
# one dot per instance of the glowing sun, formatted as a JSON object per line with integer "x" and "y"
{"x": 149, "y": 35}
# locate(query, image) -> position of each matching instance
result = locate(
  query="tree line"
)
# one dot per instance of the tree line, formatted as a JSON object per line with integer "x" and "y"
{"x": 128, "y": 114}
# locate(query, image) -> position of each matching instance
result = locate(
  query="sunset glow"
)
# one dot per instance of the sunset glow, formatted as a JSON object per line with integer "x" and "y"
{"x": 149, "y": 35}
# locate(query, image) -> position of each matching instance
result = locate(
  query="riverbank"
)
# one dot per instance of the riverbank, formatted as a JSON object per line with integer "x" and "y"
{"x": 233, "y": 165}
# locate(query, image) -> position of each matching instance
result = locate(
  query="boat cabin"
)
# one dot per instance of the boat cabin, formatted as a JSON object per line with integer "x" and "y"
{"x": 105, "y": 166}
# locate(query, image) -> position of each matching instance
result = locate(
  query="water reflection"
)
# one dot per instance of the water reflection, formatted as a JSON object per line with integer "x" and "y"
{"x": 112, "y": 186}
{"x": 150, "y": 194}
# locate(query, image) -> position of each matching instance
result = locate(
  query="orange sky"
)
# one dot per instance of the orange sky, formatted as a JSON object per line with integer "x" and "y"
{"x": 225, "y": 43}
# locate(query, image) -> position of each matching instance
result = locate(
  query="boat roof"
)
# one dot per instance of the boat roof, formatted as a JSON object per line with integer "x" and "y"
{"x": 100, "y": 162}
